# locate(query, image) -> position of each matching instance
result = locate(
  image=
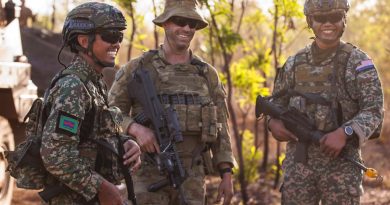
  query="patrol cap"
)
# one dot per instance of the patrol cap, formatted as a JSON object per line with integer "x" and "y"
{"x": 182, "y": 8}
{"x": 314, "y": 6}
{"x": 90, "y": 17}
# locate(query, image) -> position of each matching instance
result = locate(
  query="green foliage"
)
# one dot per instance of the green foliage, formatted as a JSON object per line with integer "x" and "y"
{"x": 274, "y": 168}
{"x": 224, "y": 17}
{"x": 252, "y": 157}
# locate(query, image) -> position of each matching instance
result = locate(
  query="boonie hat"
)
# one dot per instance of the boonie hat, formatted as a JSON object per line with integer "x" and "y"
{"x": 182, "y": 8}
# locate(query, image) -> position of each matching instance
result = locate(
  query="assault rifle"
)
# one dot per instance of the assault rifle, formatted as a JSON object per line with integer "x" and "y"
{"x": 301, "y": 126}
{"x": 166, "y": 127}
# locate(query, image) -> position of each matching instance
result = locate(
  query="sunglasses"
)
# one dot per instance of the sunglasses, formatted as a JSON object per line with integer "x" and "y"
{"x": 332, "y": 18}
{"x": 182, "y": 22}
{"x": 111, "y": 36}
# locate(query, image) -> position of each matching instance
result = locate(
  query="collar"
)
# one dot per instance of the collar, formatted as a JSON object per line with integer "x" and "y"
{"x": 81, "y": 66}
{"x": 161, "y": 55}
{"x": 320, "y": 55}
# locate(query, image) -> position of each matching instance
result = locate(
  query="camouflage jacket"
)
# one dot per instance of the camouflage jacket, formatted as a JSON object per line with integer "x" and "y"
{"x": 160, "y": 72}
{"x": 358, "y": 89}
{"x": 67, "y": 155}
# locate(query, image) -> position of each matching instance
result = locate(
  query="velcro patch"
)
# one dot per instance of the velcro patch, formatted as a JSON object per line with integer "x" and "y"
{"x": 365, "y": 65}
{"x": 67, "y": 123}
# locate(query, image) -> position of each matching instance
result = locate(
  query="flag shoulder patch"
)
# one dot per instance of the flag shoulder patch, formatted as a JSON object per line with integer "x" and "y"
{"x": 365, "y": 65}
{"x": 67, "y": 123}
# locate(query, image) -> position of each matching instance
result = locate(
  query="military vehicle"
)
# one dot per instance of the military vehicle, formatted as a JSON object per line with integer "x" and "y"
{"x": 17, "y": 93}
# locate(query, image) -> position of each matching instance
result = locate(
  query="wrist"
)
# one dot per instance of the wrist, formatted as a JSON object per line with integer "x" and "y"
{"x": 132, "y": 130}
{"x": 348, "y": 132}
{"x": 225, "y": 172}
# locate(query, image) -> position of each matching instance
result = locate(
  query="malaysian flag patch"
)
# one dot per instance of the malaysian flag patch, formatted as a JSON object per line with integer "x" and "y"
{"x": 67, "y": 124}
{"x": 365, "y": 65}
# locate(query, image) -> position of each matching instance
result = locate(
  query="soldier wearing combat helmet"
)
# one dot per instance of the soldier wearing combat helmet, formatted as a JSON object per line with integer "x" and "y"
{"x": 346, "y": 103}
{"x": 192, "y": 87}
{"x": 81, "y": 145}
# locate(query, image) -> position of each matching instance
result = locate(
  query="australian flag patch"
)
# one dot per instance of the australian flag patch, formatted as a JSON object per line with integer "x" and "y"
{"x": 365, "y": 65}
{"x": 67, "y": 123}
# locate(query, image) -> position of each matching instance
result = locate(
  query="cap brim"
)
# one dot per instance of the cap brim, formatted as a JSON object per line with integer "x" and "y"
{"x": 159, "y": 20}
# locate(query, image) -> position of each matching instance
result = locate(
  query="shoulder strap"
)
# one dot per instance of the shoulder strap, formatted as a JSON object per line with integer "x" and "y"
{"x": 300, "y": 58}
{"x": 146, "y": 57}
{"x": 347, "y": 48}
{"x": 203, "y": 69}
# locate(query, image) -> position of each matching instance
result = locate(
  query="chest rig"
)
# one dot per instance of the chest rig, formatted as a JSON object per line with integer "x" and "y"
{"x": 325, "y": 83}
{"x": 187, "y": 88}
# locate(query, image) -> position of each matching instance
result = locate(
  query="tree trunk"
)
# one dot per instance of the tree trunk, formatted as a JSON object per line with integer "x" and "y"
{"x": 133, "y": 31}
{"x": 155, "y": 27}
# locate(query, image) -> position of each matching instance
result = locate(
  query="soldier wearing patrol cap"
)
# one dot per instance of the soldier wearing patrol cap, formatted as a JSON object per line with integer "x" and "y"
{"x": 79, "y": 120}
{"x": 193, "y": 88}
{"x": 346, "y": 103}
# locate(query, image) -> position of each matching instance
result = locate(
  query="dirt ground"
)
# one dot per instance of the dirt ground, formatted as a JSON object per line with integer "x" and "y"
{"x": 375, "y": 154}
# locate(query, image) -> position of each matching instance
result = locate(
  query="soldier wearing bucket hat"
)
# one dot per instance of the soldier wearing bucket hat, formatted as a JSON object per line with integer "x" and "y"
{"x": 346, "y": 103}
{"x": 192, "y": 87}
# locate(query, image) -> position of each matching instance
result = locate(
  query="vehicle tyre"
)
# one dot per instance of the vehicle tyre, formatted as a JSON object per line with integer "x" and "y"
{"x": 6, "y": 143}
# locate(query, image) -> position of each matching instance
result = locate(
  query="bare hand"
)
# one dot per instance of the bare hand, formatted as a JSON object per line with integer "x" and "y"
{"x": 332, "y": 143}
{"x": 145, "y": 138}
{"x": 225, "y": 189}
{"x": 132, "y": 155}
{"x": 279, "y": 132}
{"x": 109, "y": 194}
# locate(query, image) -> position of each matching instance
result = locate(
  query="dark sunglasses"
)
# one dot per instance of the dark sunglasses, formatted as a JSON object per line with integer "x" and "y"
{"x": 182, "y": 22}
{"x": 111, "y": 36}
{"x": 332, "y": 18}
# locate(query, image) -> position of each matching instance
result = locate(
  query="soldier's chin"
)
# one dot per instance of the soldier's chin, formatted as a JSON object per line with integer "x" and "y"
{"x": 108, "y": 64}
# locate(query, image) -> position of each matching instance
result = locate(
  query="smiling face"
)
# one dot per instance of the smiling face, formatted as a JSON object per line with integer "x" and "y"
{"x": 104, "y": 51}
{"x": 178, "y": 37}
{"x": 328, "y": 28}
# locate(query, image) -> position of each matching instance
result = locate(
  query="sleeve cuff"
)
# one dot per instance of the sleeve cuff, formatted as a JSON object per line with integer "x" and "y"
{"x": 127, "y": 121}
{"x": 91, "y": 188}
{"x": 227, "y": 159}
{"x": 360, "y": 134}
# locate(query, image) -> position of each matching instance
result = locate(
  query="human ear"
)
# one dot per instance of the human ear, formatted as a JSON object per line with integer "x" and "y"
{"x": 83, "y": 40}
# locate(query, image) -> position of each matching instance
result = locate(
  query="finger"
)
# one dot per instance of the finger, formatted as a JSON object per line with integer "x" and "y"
{"x": 227, "y": 199}
{"x": 132, "y": 159}
{"x": 218, "y": 197}
{"x": 136, "y": 166}
{"x": 293, "y": 137}
{"x": 337, "y": 153}
{"x": 156, "y": 147}
{"x": 130, "y": 153}
{"x": 150, "y": 148}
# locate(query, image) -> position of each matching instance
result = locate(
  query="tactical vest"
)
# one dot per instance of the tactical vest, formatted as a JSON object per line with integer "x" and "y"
{"x": 187, "y": 88}
{"x": 327, "y": 81}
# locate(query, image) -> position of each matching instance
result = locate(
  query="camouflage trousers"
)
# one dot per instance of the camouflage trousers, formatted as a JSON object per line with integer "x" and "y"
{"x": 331, "y": 181}
{"x": 193, "y": 186}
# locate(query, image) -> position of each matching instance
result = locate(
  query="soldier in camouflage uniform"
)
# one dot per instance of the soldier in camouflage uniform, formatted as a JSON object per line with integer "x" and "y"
{"x": 79, "y": 114}
{"x": 194, "y": 89}
{"x": 351, "y": 113}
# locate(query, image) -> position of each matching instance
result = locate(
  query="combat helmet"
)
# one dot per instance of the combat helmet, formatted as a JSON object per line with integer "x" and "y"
{"x": 313, "y": 6}
{"x": 182, "y": 8}
{"x": 90, "y": 17}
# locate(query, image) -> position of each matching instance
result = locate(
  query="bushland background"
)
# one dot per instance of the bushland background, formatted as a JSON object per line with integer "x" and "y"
{"x": 247, "y": 41}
